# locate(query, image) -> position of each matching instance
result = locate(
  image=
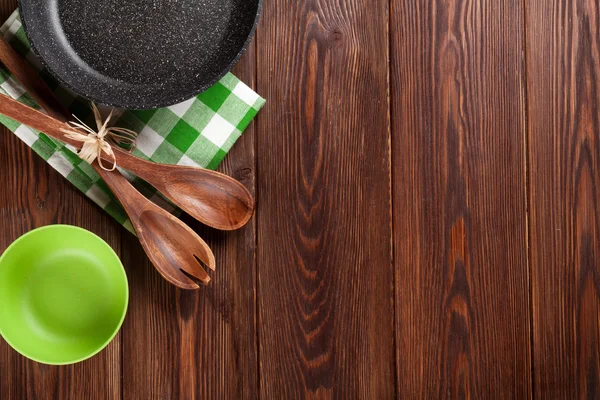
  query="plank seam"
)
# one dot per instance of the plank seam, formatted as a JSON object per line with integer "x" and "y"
{"x": 525, "y": 94}
{"x": 391, "y": 196}
{"x": 256, "y": 220}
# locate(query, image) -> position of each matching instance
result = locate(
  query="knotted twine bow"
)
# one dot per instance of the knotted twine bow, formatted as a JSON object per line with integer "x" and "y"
{"x": 96, "y": 142}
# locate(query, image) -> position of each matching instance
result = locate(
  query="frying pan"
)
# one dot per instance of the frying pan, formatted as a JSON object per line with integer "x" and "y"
{"x": 139, "y": 54}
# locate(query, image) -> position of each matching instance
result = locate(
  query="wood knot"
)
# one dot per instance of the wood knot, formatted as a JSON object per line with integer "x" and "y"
{"x": 40, "y": 203}
{"x": 243, "y": 174}
{"x": 336, "y": 37}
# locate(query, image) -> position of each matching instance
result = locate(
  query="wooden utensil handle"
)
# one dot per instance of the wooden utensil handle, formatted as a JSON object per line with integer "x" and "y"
{"x": 52, "y": 127}
{"x": 48, "y": 101}
{"x": 35, "y": 119}
{"x": 30, "y": 79}
{"x": 127, "y": 195}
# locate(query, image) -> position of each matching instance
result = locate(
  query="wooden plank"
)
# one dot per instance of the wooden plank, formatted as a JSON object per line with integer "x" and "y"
{"x": 324, "y": 226}
{"x": 563, "y": 64}
{"x": 34, "y": 195}
{"x": 460, "y": 229}
{"x": 202, "y": 344}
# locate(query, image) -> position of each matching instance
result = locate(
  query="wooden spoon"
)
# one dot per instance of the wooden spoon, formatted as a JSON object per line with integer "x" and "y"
{"x": 170, "y": 244}
{"x": 212, "y": 198}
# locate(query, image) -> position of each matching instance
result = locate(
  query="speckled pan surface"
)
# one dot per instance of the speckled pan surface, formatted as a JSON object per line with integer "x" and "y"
{"x": 139, "y": 54}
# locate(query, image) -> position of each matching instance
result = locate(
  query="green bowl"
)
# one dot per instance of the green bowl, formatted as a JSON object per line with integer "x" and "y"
{"x": 63, "y": 294}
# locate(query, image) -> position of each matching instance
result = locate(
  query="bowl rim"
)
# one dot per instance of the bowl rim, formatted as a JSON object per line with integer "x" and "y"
{"x": 124, "y": 311}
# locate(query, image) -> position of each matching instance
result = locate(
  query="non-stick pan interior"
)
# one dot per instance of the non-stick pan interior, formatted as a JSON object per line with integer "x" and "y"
{"x": 139, "y": 53}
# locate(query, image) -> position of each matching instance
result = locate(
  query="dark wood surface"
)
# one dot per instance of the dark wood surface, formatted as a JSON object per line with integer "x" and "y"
{"x": 325, "y": 275}
{"x": 459, "y": 184}
{"x": 563, "y": 85}
{"x": 427, "y": 177}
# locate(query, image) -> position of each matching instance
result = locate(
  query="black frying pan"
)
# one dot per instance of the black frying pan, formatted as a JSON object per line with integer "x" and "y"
{"x": 139, "y": 53}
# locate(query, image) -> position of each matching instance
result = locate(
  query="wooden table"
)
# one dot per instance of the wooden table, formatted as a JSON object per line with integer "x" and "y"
{"x": 428, "y": 226}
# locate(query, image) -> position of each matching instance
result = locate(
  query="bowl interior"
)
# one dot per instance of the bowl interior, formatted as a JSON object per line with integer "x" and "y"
{"x": 63, "y": 294}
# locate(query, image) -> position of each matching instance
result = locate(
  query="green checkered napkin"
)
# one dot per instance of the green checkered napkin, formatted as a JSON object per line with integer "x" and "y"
{"x": 197, "y": 132}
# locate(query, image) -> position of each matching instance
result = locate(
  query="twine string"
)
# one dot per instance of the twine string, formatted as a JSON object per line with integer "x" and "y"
{"x": 94, "y": 142}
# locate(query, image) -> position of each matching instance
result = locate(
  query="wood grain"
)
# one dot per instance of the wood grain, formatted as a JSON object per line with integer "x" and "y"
{"x": 460, "y": 232}
{"x": 202, "y": 344}
{"x": 324, "y": 251}
{"x": 563, "y": 60}
{"x": 427, "y": 179}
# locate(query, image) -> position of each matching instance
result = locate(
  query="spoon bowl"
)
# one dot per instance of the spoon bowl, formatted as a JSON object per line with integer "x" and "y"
{"x": 213, "y": 198}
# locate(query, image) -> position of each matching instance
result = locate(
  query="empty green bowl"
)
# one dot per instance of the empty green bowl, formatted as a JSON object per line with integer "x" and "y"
{"x": 63, "y": 294}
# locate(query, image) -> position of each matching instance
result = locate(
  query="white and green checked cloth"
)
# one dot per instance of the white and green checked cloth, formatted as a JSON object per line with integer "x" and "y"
{"x": 197, "y": 132}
